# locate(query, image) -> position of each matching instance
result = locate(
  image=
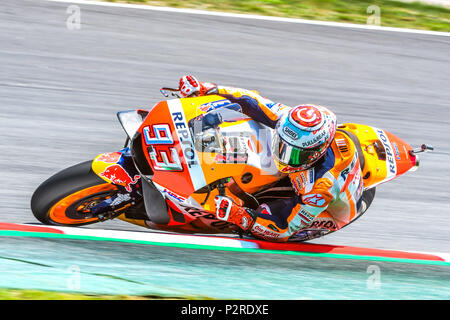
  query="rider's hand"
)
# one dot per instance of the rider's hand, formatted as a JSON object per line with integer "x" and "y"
{"x": 223, "y": 207}
{"x": 227, "y": 210}
{"x": 189, "y": 86}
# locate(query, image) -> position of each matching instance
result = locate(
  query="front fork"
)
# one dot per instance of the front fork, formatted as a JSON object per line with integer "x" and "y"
{"x": 118, "y": 169}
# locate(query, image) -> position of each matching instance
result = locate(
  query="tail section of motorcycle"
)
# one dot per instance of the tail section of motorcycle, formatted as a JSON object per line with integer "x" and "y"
{"x": 385, "y": 155}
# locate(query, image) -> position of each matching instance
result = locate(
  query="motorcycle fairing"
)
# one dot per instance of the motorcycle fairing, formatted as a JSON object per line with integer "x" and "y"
{"x": 179, "y": 165}
{"x": 117, "y": 168}
{"x": 168, "y": 147}
{"x": 386, "y": 156}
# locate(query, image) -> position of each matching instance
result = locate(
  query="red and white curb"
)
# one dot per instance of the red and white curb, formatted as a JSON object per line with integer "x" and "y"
{"x": 224, "y": 242}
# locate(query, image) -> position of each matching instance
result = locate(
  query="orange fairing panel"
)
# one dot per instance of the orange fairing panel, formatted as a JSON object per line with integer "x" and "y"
{"x": 169, "y": 148}
{"x": 386, "y": 155}
{"x": 401, "y": 152}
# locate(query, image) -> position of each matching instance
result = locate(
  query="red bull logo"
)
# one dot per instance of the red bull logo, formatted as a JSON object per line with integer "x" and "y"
{"x": 117, "y": 175}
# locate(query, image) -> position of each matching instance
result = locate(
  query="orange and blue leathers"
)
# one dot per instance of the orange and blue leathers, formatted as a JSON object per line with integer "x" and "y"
{"x": 328, "y": 195}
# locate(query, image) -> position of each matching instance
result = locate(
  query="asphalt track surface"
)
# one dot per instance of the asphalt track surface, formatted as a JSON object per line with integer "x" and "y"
{"x": 60, "y": 90}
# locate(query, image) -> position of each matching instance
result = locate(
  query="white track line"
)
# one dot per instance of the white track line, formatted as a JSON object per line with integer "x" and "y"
{"x": 160, "y": 237}
{"x": 199, "y": 239}
{"x": 253, "y": 17}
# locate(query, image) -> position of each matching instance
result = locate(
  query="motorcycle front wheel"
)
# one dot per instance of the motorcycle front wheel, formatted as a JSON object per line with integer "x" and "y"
{"x": 65, "y": 198}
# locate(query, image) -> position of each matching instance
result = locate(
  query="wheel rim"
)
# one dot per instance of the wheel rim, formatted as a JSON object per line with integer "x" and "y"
{"x": 74, "y": 208}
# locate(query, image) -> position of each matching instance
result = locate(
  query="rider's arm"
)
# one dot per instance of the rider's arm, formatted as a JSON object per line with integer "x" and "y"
{"x": 253, "y": 105}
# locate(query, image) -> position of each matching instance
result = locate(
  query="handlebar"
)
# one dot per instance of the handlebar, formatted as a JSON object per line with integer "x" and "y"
{"x": 174, "y": 92}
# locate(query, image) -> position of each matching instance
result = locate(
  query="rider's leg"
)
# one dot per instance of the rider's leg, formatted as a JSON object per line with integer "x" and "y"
{"x": 277, "y": 220}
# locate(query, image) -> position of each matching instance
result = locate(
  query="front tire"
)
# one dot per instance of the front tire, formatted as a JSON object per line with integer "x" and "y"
{"x": 66, "y": 197}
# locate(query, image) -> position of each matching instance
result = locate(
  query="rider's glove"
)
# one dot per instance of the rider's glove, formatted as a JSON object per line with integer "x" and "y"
{"x": 189, "y": 86}
{"x": 227, "y": 210}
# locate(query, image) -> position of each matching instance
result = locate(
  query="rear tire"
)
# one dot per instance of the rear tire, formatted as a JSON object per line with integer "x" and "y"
{"x": 64, "y": 198}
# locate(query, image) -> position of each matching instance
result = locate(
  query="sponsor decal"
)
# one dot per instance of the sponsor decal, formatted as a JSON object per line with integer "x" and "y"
{"x": 118, "y": 175}
{"x": 264, "y": 209}
{"x": 290, "y": 133}
{"x": 187, "y": 147}
{"x": 112, "y": 157}
{"x": 275, "y": 107}
{"x": 345, "y": 173}
{"x": 297, "y": 184}
{"x": 315, "y": 140}
{"x": 264, "y": 233}
{"x": 351, "y": 175}
{"x": 311, "y": 175}
{"x": 197, "y": 212}
{"x": 302, "y": 181}
{"x": 174, "y": 195}
{"x": 185, "y": 139}
{"x": 207, "y": 218}
{"x": 305, "y": 216}
{"x": 306, "y": 116}
{"x": 350, "y": 169}
{"x": 209, "y": 106}
{"x": 397, "y": 152}
{"x": 328, "y": 224}
{"x": 390, "y": 161}
{"x": 316, "y": 200}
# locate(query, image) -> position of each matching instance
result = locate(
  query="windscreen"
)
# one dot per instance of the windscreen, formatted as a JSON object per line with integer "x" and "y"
{"x": 206, "y": 130}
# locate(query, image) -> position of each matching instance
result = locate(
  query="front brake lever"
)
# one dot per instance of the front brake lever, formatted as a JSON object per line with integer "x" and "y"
{"x": 163, "y": 92}
{"x": 173, "y": 91}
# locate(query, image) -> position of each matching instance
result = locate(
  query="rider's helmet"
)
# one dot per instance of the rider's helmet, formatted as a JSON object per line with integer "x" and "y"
{"x": 302, "y": 137}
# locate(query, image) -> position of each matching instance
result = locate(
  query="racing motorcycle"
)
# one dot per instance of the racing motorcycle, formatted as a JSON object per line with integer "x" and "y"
{"x": 181, "y": 153}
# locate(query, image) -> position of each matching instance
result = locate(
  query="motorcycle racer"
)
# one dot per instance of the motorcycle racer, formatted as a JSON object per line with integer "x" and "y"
{"x": 322, "y": 163}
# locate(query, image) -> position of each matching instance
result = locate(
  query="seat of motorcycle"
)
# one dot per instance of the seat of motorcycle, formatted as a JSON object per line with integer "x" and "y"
{"x": 354, "y": 138}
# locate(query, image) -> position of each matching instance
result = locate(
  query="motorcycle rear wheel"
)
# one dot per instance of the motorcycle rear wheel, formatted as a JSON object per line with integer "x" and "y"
{"x": 65, "y": 198}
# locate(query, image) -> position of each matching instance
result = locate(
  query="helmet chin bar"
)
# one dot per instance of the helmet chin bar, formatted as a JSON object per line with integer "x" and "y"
{"x": 291, "y": 169}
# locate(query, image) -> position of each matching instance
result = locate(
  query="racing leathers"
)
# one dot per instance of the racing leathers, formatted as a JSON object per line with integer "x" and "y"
{"x": 327, "y": 197}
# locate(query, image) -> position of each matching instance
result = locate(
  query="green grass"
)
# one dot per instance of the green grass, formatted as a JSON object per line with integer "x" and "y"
{"x": 393, "y": 13}
{"x": 15, "y": 294}
{"x": 12, "y": 294}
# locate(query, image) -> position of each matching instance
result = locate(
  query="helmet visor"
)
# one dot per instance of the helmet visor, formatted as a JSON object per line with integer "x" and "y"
{"x": 292, "y": 156}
